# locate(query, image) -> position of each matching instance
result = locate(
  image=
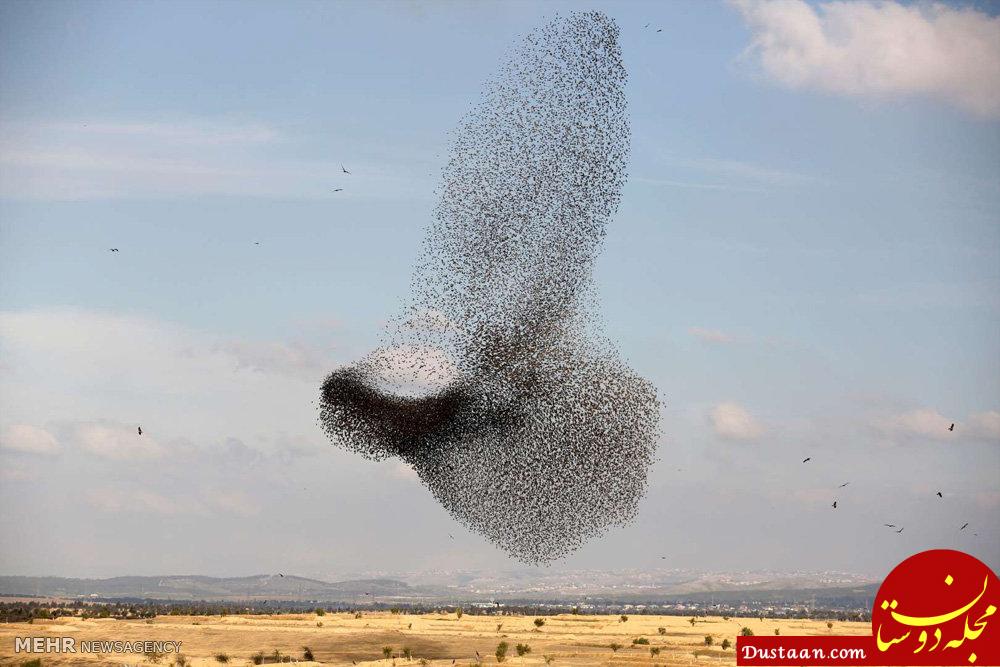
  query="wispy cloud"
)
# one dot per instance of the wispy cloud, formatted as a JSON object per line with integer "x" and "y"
{"x": 29, "y": 439}
{"x": 79, "y": 160}
{"x": 732, "y": 421}
{"x": 710, "y": 335}
{"x": 879, "y": 49}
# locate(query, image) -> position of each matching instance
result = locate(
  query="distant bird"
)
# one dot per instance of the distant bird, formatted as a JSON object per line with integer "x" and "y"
{"x": 834, "y": 504}
{"x": 660, "y": 30}
{"x": 951, "y": 428}
{"x": 256, "y": 242}
{"x": 843, "y": 485}
{"x": 808, "y": 458}
{"x": 344, "y": 170}
{"x": 140, "y": 430}
{"x": 338, "y": 189}
{"x": 646, "y": 26}
{"x": 889, "y": 525}
{"x": 900, "y": 530}
{"x": 939, "y": 495}
{"x": 113, "y": 249}
{"x": 663, "y": 558}
{"x": 281, "y": 575}
{"x": 451, "y": 536}
{"x": 964, "y": 526}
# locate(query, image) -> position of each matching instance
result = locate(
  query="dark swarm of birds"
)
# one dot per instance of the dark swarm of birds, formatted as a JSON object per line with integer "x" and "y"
{"x": 496, "y": 385}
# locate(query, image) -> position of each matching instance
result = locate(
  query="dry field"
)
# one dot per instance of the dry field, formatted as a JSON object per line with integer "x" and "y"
{"x": 433, "y": 639}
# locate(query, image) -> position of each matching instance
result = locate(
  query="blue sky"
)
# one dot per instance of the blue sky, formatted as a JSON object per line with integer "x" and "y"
{"x": 806, "y": 262}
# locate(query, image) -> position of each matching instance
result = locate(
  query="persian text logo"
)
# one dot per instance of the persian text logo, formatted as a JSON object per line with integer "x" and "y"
{"x": 933, "y": 609}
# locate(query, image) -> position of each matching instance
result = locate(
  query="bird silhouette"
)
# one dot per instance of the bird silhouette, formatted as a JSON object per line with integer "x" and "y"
{"x": 951, "y": 428}
{"x": 808, "y": 458}
{"x": 338, "y": 189}
{"x": 660, "y": 30}
{"x": 140, "y": 430}
{"x": 343, "y": 169}
{"x": 281, "y": 575}
{"x": 834, "y": 504}
{"x": 964, "y": 526}
{"x": 113, "y": 249}
{"x": 843, "y": 485}
{"x": 451, "y": 536}
{"x": 889, "y": 525}
{"x": 646, "y": 26}
{"x": 900, "y": 530}
{"x": 939, "y": 495}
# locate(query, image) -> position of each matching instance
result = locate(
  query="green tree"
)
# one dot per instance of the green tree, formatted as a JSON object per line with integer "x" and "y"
{"x": 614, "y": 646}
{"x": 501, "y": 652}
{"x": 539, "y": 622}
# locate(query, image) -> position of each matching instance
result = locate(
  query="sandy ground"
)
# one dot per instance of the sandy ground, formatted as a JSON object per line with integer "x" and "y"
{"x": 433, "y": 639}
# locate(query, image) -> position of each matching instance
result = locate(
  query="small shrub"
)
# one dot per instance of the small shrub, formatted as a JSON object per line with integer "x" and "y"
{"x": 458, "y": 613}
{"x": 692, "y": 621}
{"x": 222, "y": 657}
{"x": 622, "y": 618}
{"x": 407, "y": 653}
{"x": 320, "y": 611}
{"x": 499, "y": 625}
{"x": 640, "y": 640}
{"x": 709, "y": 640}
{"x": 662, "y": 631}
{"x": 387, "y": 652}
{"x": 726, "y": 644}
{"x": 575, "y": 611}
{"x": 539, "y": 622}
{"x": 154, "y": 656}
{"x": 725, "y": 618}
{"x": 423, "y": 662}
{"x": 257, "y": 658}
{"x": 614, "y": 646}
{"x": 307, "y": 654}
{"x": 409, "y": 626}
{"x": 746, "y": 632}
{"x": 501, "y": 652}
{"x": 180, "y": 660}
{"x": 654, "y": 651}
{"x": 829, "y": 625}
{"x": 777, "y": 631}
{"x": 357, "y": 614}
{"x": 37, "y": 662}
{"x": 319, "y": 624}
{"x": 549, "y": 659}
{"x": 522, "y": 649}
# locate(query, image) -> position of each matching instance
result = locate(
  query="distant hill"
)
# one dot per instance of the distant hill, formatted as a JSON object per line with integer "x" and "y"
{"x": 593, "y": 588}
{"x": 208, "y": 588}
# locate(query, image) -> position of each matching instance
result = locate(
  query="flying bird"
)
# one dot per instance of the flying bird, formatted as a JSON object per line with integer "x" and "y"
{"x": 964, "y": 526}
{"x": 344, "y": 169}
{"x": 889, "y": 525}
{"x": 281, "y": 575}
{"x": 451, "y": 536}
{"x": 140, "y": 430}
{"x": 951, "y": 428}
{"x": 843, "y": 485}
{"x": 113, "y": 249}
{"x": 900, "y": 530}
{"x": 338, "y": 189}
{"x": 939, "y": 495}
{"x": 659, "y": 30}
{"x": 646, "y": 26}
{"x": 834, "y": 504}
{"x": 808, "y": 458}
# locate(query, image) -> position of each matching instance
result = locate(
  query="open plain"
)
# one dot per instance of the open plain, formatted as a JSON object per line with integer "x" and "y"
{"x": 438, "y": 639}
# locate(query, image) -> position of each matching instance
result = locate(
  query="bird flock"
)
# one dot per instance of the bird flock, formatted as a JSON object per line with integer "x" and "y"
{"x": 496, "y": 384}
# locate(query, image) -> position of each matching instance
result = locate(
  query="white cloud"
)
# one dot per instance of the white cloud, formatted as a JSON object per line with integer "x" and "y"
{"x": 139, "y": 501}
{"x": 733, "y": 422}
{"x": 880, "y": 49}
{"x": 922, "y": 423}
{"x": 710, "y": 335}
{"x": 985, "y": 425}
{"x": 116, "y": 441}
{"x": 83, "y": 160}
{"x": 29, "y": 439}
